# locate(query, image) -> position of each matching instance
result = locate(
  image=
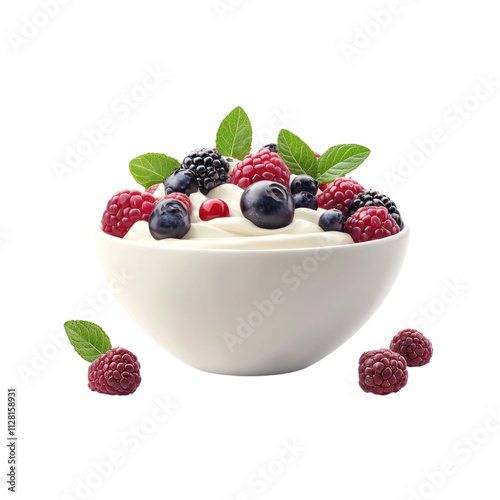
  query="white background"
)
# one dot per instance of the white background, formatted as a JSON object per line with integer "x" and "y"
{"x": 285, "y": 62}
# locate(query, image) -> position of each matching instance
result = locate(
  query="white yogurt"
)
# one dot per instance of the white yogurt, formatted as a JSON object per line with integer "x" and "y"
{"x": 236, "y": 232}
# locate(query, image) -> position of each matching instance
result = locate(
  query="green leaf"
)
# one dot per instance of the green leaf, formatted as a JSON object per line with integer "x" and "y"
{"x": 88, "y": 339}
{"x": 234, "y": 137}
{"x": 297, "y": 155}
{"x": 340, "y": 160}
{"x": 152, "y": 168}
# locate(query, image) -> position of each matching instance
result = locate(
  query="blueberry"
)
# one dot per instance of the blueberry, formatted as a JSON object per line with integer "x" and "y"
{"x": 268, "y": 205}
{"x": 332, "y": 220}
{"x": 181, "y": 181}
{"x": 169, "y": 219}
{"x": 304, "y": 183}
{"x": 305, "y": 200}
{"x": 271, "y": 147}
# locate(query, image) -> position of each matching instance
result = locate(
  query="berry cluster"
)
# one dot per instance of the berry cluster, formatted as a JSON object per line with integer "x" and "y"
{"x": 369, "y": 215}
{"x": 372, "y": 198}
{"x": 271, "y": 196}
{"x": 364, "y": 214}
{"x": 384, "y": 371}
{"x": 269, "y": 199}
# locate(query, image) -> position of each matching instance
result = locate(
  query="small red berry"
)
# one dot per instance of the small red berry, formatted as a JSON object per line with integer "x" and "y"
{"x": 213, "y": 209}
{"x": 371, "y": 223}
{"x": 382, "y": 372}
{"x": 413, "y": 346}
{"x": 116, "y": 372}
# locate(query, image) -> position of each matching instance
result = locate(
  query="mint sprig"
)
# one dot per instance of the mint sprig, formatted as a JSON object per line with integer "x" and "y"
{"x": 339, "y": 161}
{"x": 334, "y": 163}
{"x": 151, "y": 168}
{"x": 88, "y": 339}
{"x": 234, "y": 137}
{"x": 297, "y": 155}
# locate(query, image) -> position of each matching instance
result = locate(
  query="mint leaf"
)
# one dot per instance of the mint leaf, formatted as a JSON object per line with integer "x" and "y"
{"x": 88, "y": 339}
{"x": 297, "y": 155}
{"x": 234, "y": 137}
{"x": 151, "y": 168}
{"x": 340, "y": 160}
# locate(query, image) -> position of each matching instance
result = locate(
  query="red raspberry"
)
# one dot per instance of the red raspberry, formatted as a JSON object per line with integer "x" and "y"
{"x": 184, "y": 199}
{"x": 339, "y": 194}
{"x": 413, "y": 346}
{"x": 261, "y": 166}
{"x": 382, "y": 372}
{"x": 152, "y": 189}
{"x": 116, "y": 372}
{"x": 124, "y": 209}
{"x": 371, "y": 223}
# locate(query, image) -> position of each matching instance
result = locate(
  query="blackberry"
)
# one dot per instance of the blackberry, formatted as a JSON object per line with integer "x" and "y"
{"x": 372, "y": 198}
{"x": 209, "y": 168}
{"x": 271, "y": 147}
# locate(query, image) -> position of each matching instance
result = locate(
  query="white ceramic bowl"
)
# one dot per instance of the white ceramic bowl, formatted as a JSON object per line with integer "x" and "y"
{"x": 251, "y": 312}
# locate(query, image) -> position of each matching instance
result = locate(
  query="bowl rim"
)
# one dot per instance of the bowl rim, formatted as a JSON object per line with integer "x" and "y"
{"x": 383, "y": 241}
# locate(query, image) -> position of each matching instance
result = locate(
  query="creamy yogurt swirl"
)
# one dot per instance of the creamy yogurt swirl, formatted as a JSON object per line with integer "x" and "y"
{"x": 236, "y": 232}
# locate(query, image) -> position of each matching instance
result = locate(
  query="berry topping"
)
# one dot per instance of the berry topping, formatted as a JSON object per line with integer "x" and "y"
{"x": 371, "y": 223}
{"x": 209, "y": 168}
{"x": 304, "y": 183}
{"x": 116, "y": 372}
{"x": 181, "y": 181}
{"x": 305, "y": 199}
{"x": 339, "y": 194}
{"x": 372, "y": 198}
{"x": 182, "y": 198}
{"x": 382, "y": 372}
{"x": 169, "y": 219}
{"x": 413, "y": 346}
{"x": 270, "y": 147}
{"x": 261, "y": 166}
{"x": 332, "y": 220}
{"x": 124, "y": 209}
{"x": 268, "y": 205}
{"x": 213, "y": 209}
